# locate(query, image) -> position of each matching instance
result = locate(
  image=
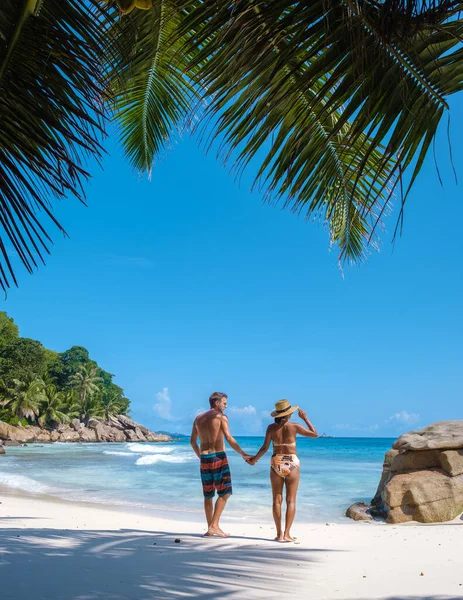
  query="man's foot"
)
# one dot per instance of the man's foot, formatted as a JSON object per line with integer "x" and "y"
{"x": 288, "y": 538}
{"x": 216, "y": 532}
{"x": 279, "y": 538}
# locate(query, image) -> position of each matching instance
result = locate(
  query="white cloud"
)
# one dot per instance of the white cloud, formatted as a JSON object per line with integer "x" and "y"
{"x": 398, "y": 419}
{"x": 163, "y": 406}
{"x": 244, "y": 410}
{"x": 247, "y": 419}
{"x": 404, "y": 417}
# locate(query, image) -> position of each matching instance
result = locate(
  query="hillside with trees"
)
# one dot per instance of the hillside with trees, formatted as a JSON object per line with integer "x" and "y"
{"x": 42, "y": 387}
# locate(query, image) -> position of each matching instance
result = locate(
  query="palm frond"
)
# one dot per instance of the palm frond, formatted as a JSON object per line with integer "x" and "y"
{"x": 150, "y": 83}
{"x": 51, "y": 111}
{"x": 347, "y": 94}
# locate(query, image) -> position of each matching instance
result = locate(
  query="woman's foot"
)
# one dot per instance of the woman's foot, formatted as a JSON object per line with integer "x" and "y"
{"x": 287, "y": 538}
{"x": 216, "y": 532}
{"x": 279, "y": 537}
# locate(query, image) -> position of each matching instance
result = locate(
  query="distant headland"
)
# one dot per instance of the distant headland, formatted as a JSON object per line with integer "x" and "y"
{"x": 48, "y": 396}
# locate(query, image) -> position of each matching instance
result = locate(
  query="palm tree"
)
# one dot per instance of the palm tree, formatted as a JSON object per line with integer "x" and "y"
{"x": 5, "y": 393}
{"x": 111, "y": 404}
{"x": 51, "y": 406}
{"x": 24, "y": 398}
{"x": 85, "y": 382}
{"x": 90, "y": 408}
{"x": 337, "y": 103}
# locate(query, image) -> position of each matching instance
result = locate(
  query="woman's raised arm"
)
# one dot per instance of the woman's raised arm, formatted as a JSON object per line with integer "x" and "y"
{"x": 310, "y": 431}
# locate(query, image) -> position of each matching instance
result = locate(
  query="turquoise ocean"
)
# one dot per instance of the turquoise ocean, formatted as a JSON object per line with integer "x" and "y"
{"x": 335, "y": 472}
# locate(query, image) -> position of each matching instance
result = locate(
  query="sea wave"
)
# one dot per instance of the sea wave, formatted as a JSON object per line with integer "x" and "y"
{"x": 25, "y": 484}
{"x": 143, "y": 448}
{"x": 152, "y": 459}
{"x": 114, "y": 453}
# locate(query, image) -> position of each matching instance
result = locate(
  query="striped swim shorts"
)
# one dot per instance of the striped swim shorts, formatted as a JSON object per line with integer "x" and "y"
{"x": 215, "y": 474}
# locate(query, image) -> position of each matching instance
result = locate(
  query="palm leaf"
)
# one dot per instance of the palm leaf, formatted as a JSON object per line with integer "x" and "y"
{"x": 347, "y": 95}
{"x": 51, "y": 93}
{"x": 148, "y": 76}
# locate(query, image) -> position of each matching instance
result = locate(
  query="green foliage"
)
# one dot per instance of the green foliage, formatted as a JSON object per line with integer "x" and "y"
{"x": 21, "y": 359}
{"x": 91, "y": 407}
{"x": 23, "y": 397}
{"x": 52, "y": 407}
{"x": 85, "y": 382}
{"x": 41, "y": 386}
{"x": 68, "y": 363}
{"x": 333, "y": 102}
{"x": 152, "y": 92}
{"x": 111, "y": 403}
{"x": 9, "y": 331}
{"x": 51, "y": 92}
{"x": 336, "y": 104}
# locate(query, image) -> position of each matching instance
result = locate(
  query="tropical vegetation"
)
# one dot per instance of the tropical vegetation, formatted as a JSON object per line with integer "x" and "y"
{"x": 335, "y": 105}
{"x": 46, "y": 388}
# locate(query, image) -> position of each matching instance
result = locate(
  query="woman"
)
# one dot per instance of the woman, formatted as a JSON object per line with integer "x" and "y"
{"x": 284, "y": 465}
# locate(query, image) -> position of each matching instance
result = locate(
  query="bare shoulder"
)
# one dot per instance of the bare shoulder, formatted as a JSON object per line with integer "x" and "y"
{"x": 295, "y": 427}
{"x": 271, "y": 428}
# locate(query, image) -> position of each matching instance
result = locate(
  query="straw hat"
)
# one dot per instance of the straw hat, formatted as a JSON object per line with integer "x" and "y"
{"x": 283, "y": 408}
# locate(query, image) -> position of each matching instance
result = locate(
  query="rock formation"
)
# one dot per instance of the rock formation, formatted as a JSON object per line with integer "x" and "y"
{"x": 359, "y": 511}
{"x": 422, "y": 477}
{"x": 117, "y": 429}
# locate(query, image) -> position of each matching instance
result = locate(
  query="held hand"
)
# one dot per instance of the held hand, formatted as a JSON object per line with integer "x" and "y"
{"x": 302, "y": 414}
{"x": 252, "y": 461}
{"x": 246, "y": 457}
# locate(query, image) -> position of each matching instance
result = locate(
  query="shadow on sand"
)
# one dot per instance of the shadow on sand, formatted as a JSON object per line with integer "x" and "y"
{"x": 53, "y": 564}
{"x": 39, "y": 564}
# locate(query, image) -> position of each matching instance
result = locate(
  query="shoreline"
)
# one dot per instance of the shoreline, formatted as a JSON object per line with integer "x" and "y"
{"x": 77, "y": 551}
{"x": 180, "y": 514}
{"x": 159, "y": 476}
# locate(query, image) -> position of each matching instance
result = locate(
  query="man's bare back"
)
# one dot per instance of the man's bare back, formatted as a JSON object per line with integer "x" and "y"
{"x": 209, "y": 427}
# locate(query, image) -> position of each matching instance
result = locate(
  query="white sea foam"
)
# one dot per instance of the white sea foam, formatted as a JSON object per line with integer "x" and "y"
{"x": 26, "y": 484}
{"x": 152, "y": 459}
{"x": 143, "y": 448}
{"x": 118, "y": 453}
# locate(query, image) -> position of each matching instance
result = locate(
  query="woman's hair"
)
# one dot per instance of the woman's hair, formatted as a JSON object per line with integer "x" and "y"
{"x": 280, "y": 419}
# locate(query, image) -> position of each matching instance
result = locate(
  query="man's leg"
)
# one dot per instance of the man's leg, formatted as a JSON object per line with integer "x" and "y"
{"x": 209, "y": 510}
{"x": 277, "y": 492}
{"x": 214, "y": 528}
{"x": 292, "y": 483}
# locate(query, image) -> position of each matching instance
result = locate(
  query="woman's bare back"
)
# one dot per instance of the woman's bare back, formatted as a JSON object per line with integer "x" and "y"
{"x": 283, "y": 438}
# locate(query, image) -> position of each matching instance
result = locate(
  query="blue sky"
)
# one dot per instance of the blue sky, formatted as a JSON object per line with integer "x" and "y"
{"x": 188, "y": 283}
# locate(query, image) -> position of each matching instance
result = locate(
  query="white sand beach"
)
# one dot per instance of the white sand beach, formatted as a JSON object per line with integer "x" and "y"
{"x": 64, "y": 551}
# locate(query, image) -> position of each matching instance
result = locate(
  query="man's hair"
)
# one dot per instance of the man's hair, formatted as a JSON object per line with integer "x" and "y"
{"x": 216, "y": 397}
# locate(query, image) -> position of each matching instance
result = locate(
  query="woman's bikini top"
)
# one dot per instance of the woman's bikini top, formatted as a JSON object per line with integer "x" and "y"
{"x": 288, "y": 444}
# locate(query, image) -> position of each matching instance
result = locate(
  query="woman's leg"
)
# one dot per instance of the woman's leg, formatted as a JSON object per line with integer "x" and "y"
{"x": 277, "y": 492}
{"x": 292, "y": 483}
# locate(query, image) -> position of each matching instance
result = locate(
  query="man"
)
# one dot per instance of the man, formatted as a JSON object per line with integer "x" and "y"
{"x": 211, "y": 428}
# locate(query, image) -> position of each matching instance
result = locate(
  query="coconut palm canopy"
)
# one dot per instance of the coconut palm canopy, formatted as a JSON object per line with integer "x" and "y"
{"x": 51, "y": 93}
{"x": 338, "y": 101}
